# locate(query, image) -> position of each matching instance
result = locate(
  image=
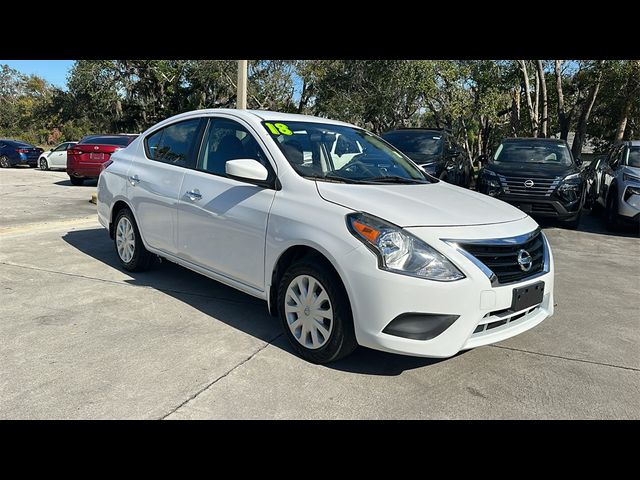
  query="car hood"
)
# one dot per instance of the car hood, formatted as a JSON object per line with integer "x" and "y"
{"x": 635, "y": 171}
{"x": 535, "y": 170}
{"x": 432, "y": 204}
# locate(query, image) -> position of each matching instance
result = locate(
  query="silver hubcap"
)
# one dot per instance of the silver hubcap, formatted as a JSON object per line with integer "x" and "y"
{"x": 308, "y": 311}
{"x": 125, "y": 240}
{"x": 43, "y": 164}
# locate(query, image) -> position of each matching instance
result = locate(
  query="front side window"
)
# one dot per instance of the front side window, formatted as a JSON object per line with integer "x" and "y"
{"x": 61, "y": 147}
{"x": 533, "y": 152}
{"x": 313, "y": 151}
{"x": 228, "y": 140}
{"x": 633, "y": 157}
{"x": 174, "y": 144}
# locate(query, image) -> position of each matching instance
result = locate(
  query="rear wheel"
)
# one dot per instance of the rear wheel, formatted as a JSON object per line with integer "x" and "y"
{"x": 315, "y": 312}
{"x": 132, "y": 254}
{"x": 77, "y": 181}
{"x": 43, "y": 164}
{"x": 4, "y": 162}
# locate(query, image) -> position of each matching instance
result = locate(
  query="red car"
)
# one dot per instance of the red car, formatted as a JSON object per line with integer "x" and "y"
{"x": 85, "y": 159}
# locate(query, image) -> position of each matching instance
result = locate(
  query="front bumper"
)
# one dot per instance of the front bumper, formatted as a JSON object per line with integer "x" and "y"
{"x": 546, "y": 207}
{"x": 378, "y": 296}
{"x": 629, "y": 209}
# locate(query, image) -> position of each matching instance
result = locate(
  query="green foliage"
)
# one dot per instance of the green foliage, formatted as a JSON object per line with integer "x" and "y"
{"x": 480, "y": 101}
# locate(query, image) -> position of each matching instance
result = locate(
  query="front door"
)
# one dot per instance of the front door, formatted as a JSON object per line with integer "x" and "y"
{"x": 222, "y": 222}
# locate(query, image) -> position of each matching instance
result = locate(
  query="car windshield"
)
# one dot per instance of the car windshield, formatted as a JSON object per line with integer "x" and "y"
{"x": 418, "y": 145}
{"x": 342, "y": 154}
{"x": 122, "y": 141}
{"x": 523, "y": 152}
{"x": 633, "y": 157}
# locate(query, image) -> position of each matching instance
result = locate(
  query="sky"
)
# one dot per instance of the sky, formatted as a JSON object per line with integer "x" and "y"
{"x": 54, "y": 71}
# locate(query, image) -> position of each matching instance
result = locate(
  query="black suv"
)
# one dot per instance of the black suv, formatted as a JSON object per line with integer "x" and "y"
{"x": 436, "y": 151}
{"x": 537, "y": 175}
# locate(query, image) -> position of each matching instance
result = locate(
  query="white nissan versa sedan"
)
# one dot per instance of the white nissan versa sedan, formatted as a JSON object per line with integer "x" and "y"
{"x": 371, "y": 251}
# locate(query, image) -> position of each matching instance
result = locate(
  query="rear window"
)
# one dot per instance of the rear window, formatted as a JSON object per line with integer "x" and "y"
{"x": 121, "y": 141}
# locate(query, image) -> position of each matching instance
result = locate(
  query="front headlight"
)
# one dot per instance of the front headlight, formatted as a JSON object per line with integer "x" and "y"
{"x": 400, "y": 252}
{"x": 491, "y": 181}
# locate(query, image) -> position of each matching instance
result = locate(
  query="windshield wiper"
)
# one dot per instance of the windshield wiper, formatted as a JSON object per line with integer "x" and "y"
{"x": 395, "y": 179}
{"x": 334, "y": 178}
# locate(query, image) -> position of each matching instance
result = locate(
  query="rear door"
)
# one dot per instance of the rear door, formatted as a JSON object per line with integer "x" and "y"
{"x": 222, "y": 222}
{"x": 58, "y": 157}
{"x": 608, "y": 172}
{"x": 155, "y": 177}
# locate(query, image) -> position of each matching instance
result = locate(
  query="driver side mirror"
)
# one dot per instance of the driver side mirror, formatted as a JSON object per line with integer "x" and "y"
{"x": 578, "y": 161}
{"x": 452, "y": 152}
{"x": 246, "y": 169}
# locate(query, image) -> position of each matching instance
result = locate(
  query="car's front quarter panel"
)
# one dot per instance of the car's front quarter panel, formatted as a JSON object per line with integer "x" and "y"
{"x": 379, "y": 296}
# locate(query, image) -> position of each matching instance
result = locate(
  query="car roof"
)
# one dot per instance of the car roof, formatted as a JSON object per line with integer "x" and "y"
{"x": 633, "y": 143}
{"x": 532, "y": 139}
{"x": 417, "y": 130}
{"x": 266, "y": 115}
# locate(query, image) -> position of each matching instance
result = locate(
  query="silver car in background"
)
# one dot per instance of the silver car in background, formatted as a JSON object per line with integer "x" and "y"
{"x": 619, "y": 189}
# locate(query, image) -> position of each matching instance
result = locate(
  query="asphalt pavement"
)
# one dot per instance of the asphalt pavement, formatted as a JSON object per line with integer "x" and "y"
{"x": 81, "y": 338}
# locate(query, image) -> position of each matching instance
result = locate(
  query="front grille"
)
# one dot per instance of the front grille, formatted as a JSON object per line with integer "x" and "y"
{"x": 501, "y": 257}
{"x": 542, "y": 208}
{"x": 542, "y": 187}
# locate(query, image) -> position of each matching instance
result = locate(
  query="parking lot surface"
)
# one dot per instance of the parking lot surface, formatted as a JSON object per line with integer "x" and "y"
{"x": 80, "y": 338}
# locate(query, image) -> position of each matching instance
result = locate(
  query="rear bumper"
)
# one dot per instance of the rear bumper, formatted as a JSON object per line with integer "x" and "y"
{"x": 84, "y": 171}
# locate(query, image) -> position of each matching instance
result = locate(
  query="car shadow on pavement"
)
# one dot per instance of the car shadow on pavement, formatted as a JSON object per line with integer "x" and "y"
{"x": 67, "y": 183}
{"x": 232, "y": 307}
{"x": 593, "y": 222}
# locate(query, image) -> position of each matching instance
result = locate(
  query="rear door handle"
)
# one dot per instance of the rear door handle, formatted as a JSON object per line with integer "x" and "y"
{"x": 194, "y": 195}
{"x": 134, "y": 180}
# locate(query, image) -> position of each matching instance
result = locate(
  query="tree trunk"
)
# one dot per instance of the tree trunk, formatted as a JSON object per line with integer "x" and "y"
{"x": 543, "y": 92}
{"x": 581, "y": 127}
{"x": 563, "y": 120}
{"x": 533, "y": 118}
{"x": 632, "y": 85}
{"x": 515, "y": 112}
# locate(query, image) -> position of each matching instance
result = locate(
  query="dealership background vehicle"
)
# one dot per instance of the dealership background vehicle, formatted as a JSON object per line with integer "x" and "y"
{"x": 15, "y": 152}
{"x": 436, "y": 151}
{"x": 373, "y": 252}
{"x": 619, "y": 187}
{"x": 85, "y": 159}
{"x": 56, "y": 157}
{"x": 592, "y": 174}
{"x": 537, "y": 175}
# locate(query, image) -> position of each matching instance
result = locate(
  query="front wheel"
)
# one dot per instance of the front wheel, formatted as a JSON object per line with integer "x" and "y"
{"x": 611, "y": 212}
{"x": 4, "y": 162}
{"x": 315, "y": 312}
{"x": 43, "y": 164}
{"x": 132, "y": 253}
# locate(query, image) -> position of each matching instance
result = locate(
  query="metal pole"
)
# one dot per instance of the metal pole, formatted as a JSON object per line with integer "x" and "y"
{"x": 242, "y": 84}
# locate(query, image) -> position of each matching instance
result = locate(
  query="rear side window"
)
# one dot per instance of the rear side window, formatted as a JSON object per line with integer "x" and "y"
{"x": 121, "y": 141}
{"x": 174, "y": 144}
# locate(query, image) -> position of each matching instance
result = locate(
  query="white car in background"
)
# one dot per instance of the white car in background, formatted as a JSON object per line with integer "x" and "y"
{"x": 56, "y": 157}
{"x": 370, "y": 252}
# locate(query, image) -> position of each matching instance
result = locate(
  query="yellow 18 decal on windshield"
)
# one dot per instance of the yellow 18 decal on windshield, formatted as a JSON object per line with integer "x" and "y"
{"x": 278, "y": 128}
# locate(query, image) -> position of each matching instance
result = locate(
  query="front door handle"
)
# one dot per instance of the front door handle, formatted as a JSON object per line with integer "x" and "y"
{"x": 194, "y": 195}
{"x": 134, "y": 180}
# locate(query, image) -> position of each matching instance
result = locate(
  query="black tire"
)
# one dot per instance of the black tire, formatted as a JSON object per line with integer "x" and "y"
{"x": 342, "y": 339}
{"x": 611, "y": 211}
{"x": 573, "y": 224}
{"x": 4, "y": 162}
{"x": 44, "y": 165}
{"x": 76, "y": 181}
{"x": 142, "y": 258}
